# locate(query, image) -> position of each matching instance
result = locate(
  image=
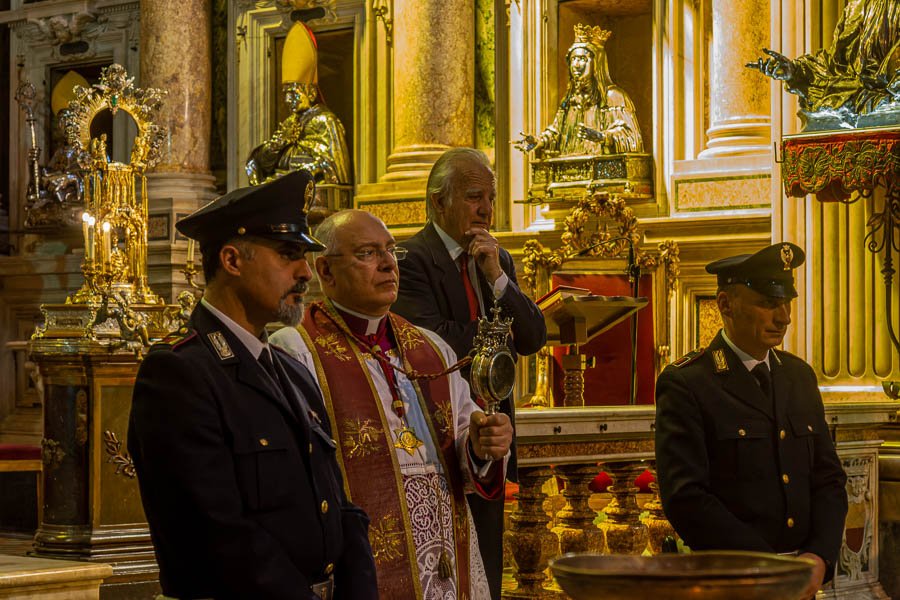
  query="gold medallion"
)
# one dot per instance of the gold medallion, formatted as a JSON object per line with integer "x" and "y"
{"x": 407, "y": 440}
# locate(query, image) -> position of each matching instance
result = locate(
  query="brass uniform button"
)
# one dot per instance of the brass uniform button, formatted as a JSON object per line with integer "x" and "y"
{"x": 263, "y": 442}
{"x": 741, "y": 432}
{"x": 782, "y": 434}
{"x": 241, "y": 230}
{"x": 324, "y": 506}
{"x": 785, "y": 478}
{"x": 809, "y": 427}
{"x": 329, "y": 568}
{"x": 790, "y": 522}
{"x": 182, "y": 330}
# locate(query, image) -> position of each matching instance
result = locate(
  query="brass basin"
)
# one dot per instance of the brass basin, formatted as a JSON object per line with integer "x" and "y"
{"x": 721, "y": 575}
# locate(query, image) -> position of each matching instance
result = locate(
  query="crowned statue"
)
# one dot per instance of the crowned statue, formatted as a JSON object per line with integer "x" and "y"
{"x": 853, "y": 82}
{"x": 312, "y": 137}
{"x": 595, "y": 116}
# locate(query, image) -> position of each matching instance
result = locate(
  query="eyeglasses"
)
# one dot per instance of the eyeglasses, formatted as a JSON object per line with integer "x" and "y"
{"x": 371, "y": 255}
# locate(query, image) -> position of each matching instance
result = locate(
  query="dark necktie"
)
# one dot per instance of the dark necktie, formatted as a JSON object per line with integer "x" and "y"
{"x": 265, "y": 359}
{"x": 296, "y": 403}
{"x": 764, "y": 377}
{"x": 467, "y": 285}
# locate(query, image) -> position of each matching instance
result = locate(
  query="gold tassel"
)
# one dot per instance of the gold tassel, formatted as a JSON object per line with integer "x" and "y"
{"x": 445, "y": 567}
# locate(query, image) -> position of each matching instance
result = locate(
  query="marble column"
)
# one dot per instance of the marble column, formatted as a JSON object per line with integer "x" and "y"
{"x": 434, "y": 82}
{"x": 432, "y": 103}
{"x": 740, "y": 112}
{"x": 175, "y": 56}
{"x": 625, "y": 533}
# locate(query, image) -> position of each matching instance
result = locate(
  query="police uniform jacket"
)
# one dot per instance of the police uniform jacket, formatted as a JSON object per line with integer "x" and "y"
{"x": 736, "y": 472}
{"x": 238, "y": 476}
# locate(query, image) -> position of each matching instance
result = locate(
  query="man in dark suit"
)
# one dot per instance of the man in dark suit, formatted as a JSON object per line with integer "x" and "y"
{"x": 744, "y": 456}
{"x": 455, "y": 271}
{"x": 230, "y": 439}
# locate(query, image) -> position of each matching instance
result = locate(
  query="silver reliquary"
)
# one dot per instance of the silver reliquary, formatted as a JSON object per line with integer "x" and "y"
{"x": 493, "y": 371}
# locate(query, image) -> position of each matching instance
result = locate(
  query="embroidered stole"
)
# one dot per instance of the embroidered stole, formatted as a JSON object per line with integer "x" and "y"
{"x": 365, "y": 449}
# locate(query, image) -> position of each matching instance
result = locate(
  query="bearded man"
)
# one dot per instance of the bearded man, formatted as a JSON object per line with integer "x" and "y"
{"x": 239, "y": 483}
{"x": 409, "y": 438}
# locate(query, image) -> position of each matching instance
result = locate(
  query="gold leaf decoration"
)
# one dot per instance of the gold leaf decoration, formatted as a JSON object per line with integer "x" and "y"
{"x": 361, "y": 437}
{"x": 333, "y": 345}
{"x": 386, "y": 538}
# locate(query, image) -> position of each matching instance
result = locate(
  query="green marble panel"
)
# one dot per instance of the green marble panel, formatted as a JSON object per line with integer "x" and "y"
{"x": 485, "y": 90}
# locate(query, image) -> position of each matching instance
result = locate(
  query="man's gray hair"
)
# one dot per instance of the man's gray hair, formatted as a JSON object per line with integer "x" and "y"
{"x": 442, "y": 179}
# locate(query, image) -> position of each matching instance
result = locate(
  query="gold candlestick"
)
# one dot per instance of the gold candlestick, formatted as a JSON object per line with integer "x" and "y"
{"x": 85, "y": 219}
{"x": 107, "y": 243}
{"x": 91, "y": 231}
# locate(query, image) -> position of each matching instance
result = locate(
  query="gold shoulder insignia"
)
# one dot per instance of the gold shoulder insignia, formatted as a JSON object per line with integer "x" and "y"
{"x": 688, "y": 358}
{"x": 220, "y": 344}
{"x": 720, "y": 361}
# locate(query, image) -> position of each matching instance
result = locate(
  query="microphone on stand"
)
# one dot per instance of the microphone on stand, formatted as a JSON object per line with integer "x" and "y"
{"x": 633, "y": 270}
{"x": 634, "y": 276}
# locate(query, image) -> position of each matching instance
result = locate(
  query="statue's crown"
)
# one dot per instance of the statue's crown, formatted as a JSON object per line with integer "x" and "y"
{"x": 586, "y": 34}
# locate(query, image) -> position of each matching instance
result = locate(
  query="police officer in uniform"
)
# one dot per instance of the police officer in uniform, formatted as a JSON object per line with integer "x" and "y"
{"x": 744, "y": 457}
{"x": 229, "y": 436}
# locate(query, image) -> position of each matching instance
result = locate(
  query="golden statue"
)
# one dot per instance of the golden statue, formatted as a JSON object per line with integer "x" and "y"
{"x": 858, "y": 74}
{"x": 312, "y": 137}
{"x": 595, "y": 116}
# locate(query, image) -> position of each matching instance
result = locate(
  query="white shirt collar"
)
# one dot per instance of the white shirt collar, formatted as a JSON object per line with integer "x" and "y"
{"x": 745, "y": 358}
{"x": 373, "y": 322}
{"x": 253, "y": 344}
{"x": 453, "y": 248}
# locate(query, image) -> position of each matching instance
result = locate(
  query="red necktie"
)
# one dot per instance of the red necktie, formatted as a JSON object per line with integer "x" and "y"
{"x": 467, "y": 285}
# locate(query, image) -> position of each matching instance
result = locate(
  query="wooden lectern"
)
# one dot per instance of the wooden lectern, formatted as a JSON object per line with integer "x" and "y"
{"x": 573, "y": 317}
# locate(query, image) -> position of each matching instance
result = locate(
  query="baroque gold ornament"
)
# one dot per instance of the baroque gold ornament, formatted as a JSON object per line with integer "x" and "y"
{"x": 115, "y": 193}
{"x": 115, "y": 219}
